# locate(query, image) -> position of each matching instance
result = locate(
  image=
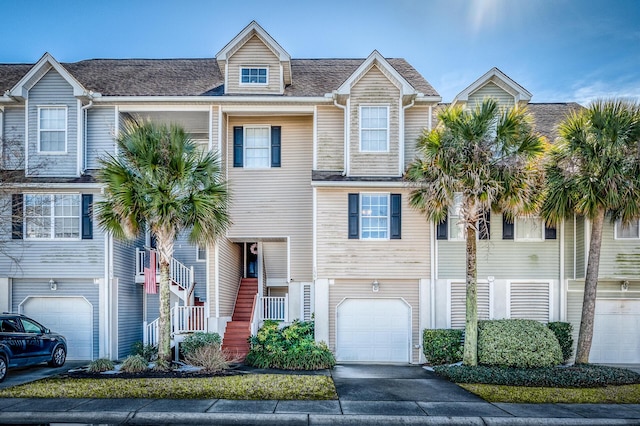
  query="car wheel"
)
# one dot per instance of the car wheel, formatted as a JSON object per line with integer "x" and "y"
{"x": 59, "y": 357}
{"x": 3, "y": 368}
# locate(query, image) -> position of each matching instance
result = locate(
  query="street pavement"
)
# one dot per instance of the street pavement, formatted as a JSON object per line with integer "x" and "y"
{"x": 368, "y": 395}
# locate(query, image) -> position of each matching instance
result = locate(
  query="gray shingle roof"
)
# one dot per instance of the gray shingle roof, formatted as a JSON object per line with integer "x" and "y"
{"x": 195, "y": 77}
{"x": 547, "y": 116}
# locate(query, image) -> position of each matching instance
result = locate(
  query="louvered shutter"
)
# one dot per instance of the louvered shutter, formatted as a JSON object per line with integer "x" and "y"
{"x": 529, "y": 301}
{"x": 276, "y": 150}
{"x": 307, "y": 302}
{"x": 17, "y": 231}
{"x": 458, "y": 298}
{"x": 549, "y": 233}
{"x": 442, "y": 228}
{"x": 354, "y": 217}
{"x": 507, "y": 229}
{"x": 396, "y": 216}
{"x": 87, "y": 216}
{"x": 238, "y": 147}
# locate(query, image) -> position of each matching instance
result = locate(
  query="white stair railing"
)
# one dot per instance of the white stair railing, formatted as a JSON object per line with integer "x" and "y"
{"x": 274, "y": 308}
{"x": 151, "y": 332}
{"x": 180, "y": 274}
{"x": 184, "y": 319}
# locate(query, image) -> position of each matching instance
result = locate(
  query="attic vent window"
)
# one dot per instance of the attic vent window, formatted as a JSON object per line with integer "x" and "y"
{"x": 256, "y": 75}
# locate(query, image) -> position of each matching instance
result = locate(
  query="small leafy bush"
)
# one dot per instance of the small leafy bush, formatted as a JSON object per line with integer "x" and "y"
{"x": 148, "y": 352}
{"x": 563, "y": 330}
{"x": 290, "y": 348}
{"x": 442, "y": 346}
{"x": 517, "y": 343}
{"x": 134, "y": 364}
{"x": 100, "y": 365}
{"x": 210, "y": 357}
{"x": 576, "y": 376}
{"x": 198, "y": 340}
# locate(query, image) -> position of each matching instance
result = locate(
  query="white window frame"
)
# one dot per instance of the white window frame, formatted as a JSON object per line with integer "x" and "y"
{"x": 616, "y": 235}
{"x": 453, "y": 220}
{"x": 388, "y": 216}
{"x": 529, "y": 239}
{"x": 65, "y": 129}
{"x": 362, "y": 129}
{"x": 52, "y": 217}
{"x": 257, "y": 68}
{"x": 198, "y": 258}
{"x": 245, "y": 141}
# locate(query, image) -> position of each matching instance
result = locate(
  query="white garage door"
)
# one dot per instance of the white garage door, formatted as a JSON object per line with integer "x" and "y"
{"x": 373, "y": 330}
{"x": 616, "y": 335}
{"x": 70, "y": 316}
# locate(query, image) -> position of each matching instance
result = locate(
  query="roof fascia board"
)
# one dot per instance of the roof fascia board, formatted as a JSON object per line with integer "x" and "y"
{"x": 34, "y": 75}
{"x": 375, "y": 58}
{"x": 214, "y": 100}
{"x": 253, "y": 26}
{"x": 358, "y": 184}
{"x": 494, "y": 75}
{"x": 55, "y": 185}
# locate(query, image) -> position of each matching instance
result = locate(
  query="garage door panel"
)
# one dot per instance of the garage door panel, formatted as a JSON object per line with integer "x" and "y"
{"x": 70, "y": 316}
{"x": 373, "y": 330}
{"x": 615, "y": 332}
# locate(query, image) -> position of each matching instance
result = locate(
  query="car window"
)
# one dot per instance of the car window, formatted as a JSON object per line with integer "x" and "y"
{"x": 30, "y": 326}
{"x": 9, "y": 325}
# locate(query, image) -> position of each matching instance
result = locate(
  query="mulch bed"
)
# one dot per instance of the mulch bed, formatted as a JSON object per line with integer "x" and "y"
{"x": 151, "y": 374}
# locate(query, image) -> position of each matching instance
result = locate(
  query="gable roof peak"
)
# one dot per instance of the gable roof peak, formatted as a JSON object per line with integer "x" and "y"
{"x": 496, "y": 76}
{"x": 244, "y": 35}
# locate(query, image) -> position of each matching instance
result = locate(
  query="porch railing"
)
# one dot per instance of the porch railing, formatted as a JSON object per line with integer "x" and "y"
{"x": 184, "y": 319}
{"x": 274, "y": 308}
{"x": 179, "y": 273}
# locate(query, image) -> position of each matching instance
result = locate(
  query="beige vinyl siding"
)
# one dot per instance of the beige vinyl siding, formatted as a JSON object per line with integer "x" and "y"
{"x": 458, "y": 303}
{"x": 341, "y": 257}
{"x": 529, "y": 300}
{"x": 13, "y": 138}
{"x": 491, "y": 90}
{"x": 330, "y": 138}
{"x": 229, "y": 273}
{"x": 618, "y": 258}
{"x": 503, "y": 259}
{"x": 254, "y": 53}
{"x": 355, "y": 289}
{"x": 276, "y": 202}
{"x": 53, "y": 90}
{"x": 215, "y": 126}
{"x": 275, "y": 262}
{"x": 374, "y": 89}
{"x": 416, "y": 120}
{"x": 100, "y": 135}
{"x": 581, "y": 249}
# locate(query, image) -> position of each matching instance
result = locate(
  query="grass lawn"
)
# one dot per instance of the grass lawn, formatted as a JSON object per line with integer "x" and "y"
{"x": 624, "y": 394}
{"x": 254, "y": 386}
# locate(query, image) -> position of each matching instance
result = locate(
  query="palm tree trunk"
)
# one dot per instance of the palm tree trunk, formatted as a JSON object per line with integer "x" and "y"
{"x": 585, "y": 336}
{"x": 470, "y": 355}
{"x": 165, "y": 251}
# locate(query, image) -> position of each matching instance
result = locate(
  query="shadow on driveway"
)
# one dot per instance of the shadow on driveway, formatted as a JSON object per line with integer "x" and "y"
{"x": 21, "y": 375}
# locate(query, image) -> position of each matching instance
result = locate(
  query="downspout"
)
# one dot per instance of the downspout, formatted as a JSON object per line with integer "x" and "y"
{"x": 562, "y": 283}
{"x": 402, "y": 126}
{"x": 346, "y": 134}
{"x": 85, "y": 133}
{"x": 432, "y": 267}
{"x": 575, "y": 248}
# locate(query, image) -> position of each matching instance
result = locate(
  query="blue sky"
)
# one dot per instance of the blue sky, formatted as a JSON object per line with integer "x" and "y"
{"x": 559, "y": 50}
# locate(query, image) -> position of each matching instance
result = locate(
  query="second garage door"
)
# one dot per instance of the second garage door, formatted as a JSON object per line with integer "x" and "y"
{"x": 615, "y": 332}
{"x": 70, "y": 316}
{"x": 373, "y": 330}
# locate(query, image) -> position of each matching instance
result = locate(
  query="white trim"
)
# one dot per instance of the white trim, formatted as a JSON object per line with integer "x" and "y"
{"x": 561, "y": 280}
{"x": 116, "y": 129}
{"x": 273, "y": 99}
{"x": 210, "y": 146}
{"x": 360, "y": 128}
{"x": 375, "y": 194}
{"x": 494, "y": 75}
{"x": 220, "y": 126}
{"x": 253, "y": 67}
{"x": 521, "y": 281}
{"x": 20, "y": 89}
{"x": 314, "y": 232}
{"x": 432, "y": 270}
{"x": 244, "y": 145}
{"x": 401, "y": 134}
{"x": 315, "y": 137}
{"x": 243, "y": 36}
{"x": 47, "y": 185}
{"x": 288, "y": 239}
{"x": 375, "y": 58}
{"x": 26, "y": 137}
{"x": 216, "y": 279}
{"x": 347, "y": 139}
{"x": 52, "y": 217}
{"x": 358, "y": 184}
{"x": 617, "y": 224}
{"x": 198, "y": 258}
{"x": 79, "y": 137}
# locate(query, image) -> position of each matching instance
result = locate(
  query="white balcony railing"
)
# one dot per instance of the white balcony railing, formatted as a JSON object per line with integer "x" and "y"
{"x": 274, "y": 308}
{"x": 180, "y": 274}
{"x": 184, "y": 319}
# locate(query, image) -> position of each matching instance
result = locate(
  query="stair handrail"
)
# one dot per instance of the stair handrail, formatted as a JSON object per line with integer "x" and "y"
{"x": 255, "y": 315}
{"x": 180, "y": 274}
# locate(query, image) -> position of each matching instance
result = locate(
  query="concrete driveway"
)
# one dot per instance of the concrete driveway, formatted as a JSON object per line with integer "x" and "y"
{"x": 21, "y": 375}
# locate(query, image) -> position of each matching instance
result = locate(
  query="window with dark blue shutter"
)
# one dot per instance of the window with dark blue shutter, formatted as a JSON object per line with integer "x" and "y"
{"x": 16, "y": 216}
{"x": 484, "y": 226}
{"x": 87, "y": 216}
{"x": 354, "y": 216}
{"x": 276, "y": 151}
{"x": 549, "y": 232}
{"x": 396, "y": 216}
{"x": 442, "y": 228}
{"x": 238, "y": 148}
{"x": 507, "y": 228}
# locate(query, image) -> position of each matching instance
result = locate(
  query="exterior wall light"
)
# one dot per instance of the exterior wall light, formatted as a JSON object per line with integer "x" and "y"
{"x": 53, "y": 285}
{"x": 624, "y": 286}
{"x": 375, "y": 286}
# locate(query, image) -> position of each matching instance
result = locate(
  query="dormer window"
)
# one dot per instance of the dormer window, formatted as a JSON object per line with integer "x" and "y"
{"x": 254, "y": 75}
{"x": 52, "y": 129}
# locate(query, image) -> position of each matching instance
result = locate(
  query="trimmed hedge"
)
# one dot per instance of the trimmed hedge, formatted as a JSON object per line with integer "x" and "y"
{"x": 517, "y": 343}
{"x": 577, "y": 376}
{"x": 563, "y": 330}
{"x": 442, "y": 346}
{"x": 198, "y": 340}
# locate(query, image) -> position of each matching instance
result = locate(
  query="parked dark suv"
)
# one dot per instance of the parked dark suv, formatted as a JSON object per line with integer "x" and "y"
{"x": 24, "y": 341}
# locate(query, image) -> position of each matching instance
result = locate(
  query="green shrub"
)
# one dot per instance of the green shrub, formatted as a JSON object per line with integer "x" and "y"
{"x": 290, "y": 348}
{"x": 100, "y": 365}
{"x": 134, "y": 364}
{"x": 517, "y": 343}
{"x": 577, "y": 376}
{"x": 442, "y": 346}
{"x": 198, "y": 340}
{"x": 563, "y": 330}
{"x": 210, "y": 357}
{"x": 148, "y": 352}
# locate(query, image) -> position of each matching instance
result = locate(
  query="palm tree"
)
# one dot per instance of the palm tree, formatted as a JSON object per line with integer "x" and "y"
{"x": 593, "y": 171}
{"x": 486, "y": 158}
{"x": 161, "y": 181}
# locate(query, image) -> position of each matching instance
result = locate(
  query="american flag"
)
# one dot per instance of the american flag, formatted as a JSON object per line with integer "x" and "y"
{"x": 150, "y": 274}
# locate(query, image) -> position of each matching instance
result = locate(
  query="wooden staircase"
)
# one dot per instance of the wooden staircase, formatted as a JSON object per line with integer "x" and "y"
{"x": 239, "y": 328}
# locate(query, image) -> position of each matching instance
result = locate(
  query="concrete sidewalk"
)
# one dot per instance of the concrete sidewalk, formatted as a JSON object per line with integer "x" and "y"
{"x": 368, "y": 394}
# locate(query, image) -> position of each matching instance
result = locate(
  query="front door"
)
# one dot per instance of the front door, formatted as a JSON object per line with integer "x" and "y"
{"x": 251, "y": 260}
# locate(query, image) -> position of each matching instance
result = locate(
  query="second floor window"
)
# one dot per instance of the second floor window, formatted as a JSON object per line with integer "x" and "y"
{"x": 628, "y": 231}
{"x": 257, "y": 75}
{"x": 374, "y": 128}
{"x": 52, "y": 216}
{"x": 257, "y": 147}
{"x": 52, "y": 129}
{"x": 374, "y": 216}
